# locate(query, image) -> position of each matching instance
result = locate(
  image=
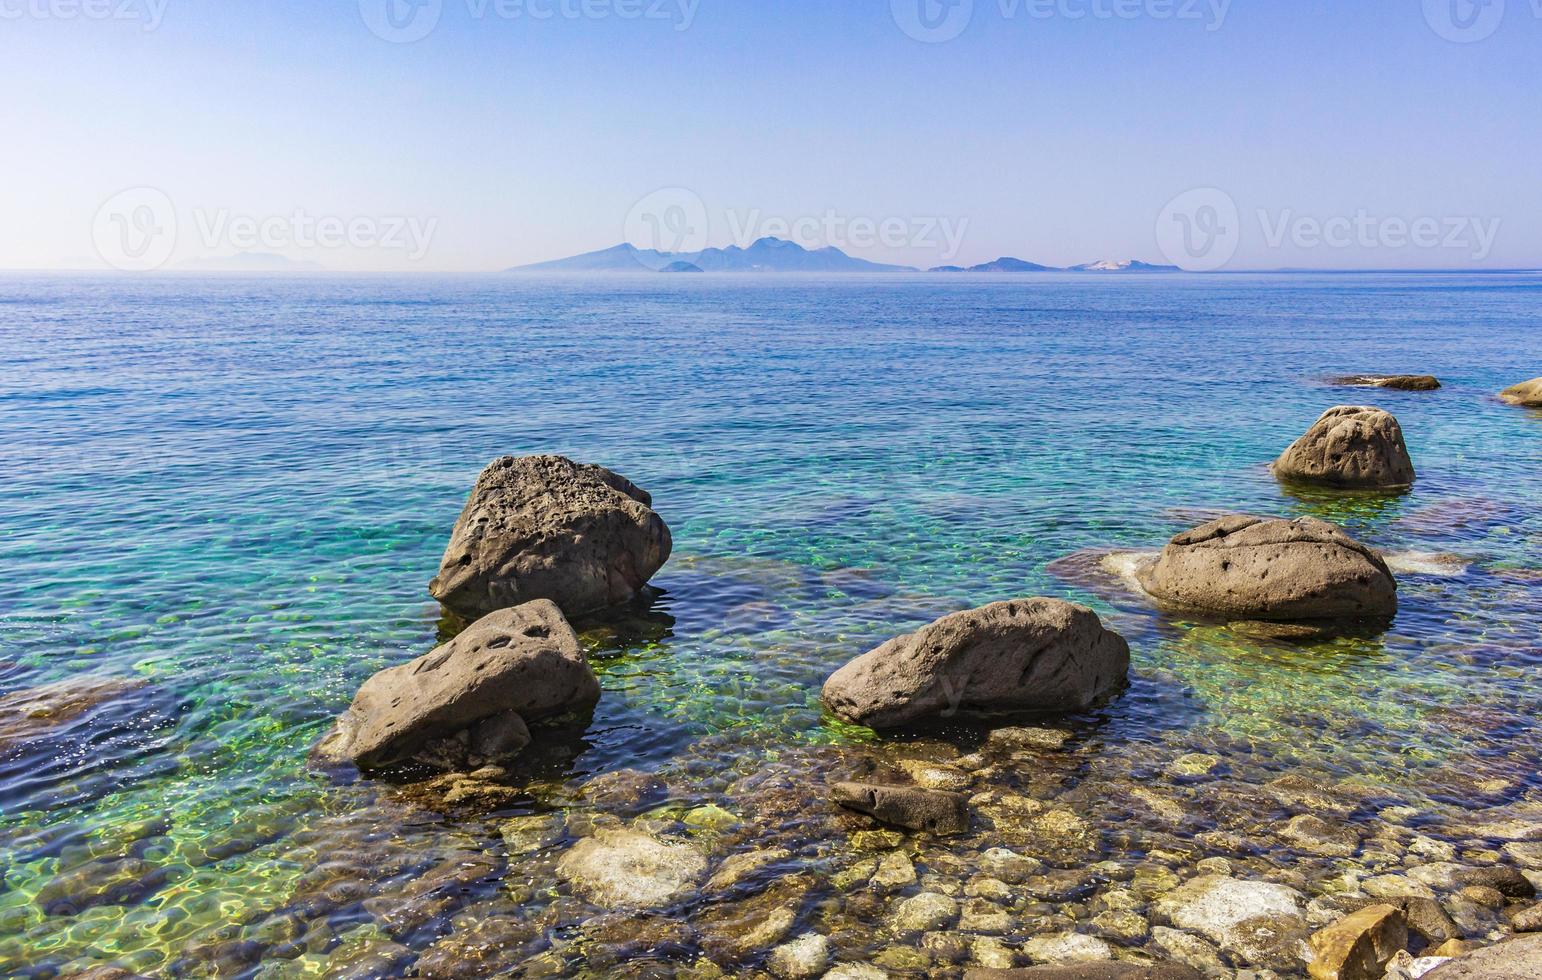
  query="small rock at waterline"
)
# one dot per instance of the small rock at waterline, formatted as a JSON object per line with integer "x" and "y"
{"x": 1352, "y": 447}
{"x": 1021, "y": 655}
{"x": 545, "y": 527}
{"x": 1396, "y": 382}
{"x": 903, "y": 806}
{"x": 1527, "y": 394}
{"x": 1359, "y": 946}
{"x": 464, "y": 704}
{"x": 1243, "y": 567}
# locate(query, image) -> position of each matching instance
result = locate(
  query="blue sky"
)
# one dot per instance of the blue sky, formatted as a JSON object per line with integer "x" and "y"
{"x": 1055, "y": 130}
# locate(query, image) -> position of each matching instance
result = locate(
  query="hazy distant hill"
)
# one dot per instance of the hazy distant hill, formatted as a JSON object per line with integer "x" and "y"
{"x": 1128, "y": 265}
{"x": 1003, "y": 264}
{"x": 765, "y": 255}
{"x": 1009, "y": 264}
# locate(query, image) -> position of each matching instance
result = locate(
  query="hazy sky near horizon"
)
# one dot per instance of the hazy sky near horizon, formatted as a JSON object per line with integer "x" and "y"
{"x": 1241, "y": 134}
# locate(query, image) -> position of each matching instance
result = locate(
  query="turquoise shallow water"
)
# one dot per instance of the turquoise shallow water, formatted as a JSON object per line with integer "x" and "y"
{"x": 236, "y": 490}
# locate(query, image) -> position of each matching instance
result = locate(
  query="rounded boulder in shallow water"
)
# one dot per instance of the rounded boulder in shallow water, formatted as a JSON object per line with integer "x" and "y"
{"x": 1243, "y": 567}
{"x": 1527, "y": 394}
{"x": 1021, "y": 655}
{"x": 545, "y": 527}
{"x": 465, "y": 704}
{"x": 1352, "y": 447}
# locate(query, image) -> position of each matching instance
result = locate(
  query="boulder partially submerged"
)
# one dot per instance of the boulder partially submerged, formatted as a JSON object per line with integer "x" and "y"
{"x": 1396, "y": 382}
{"x": 1040, "y": 655}
{"x": 465, "y": 704}
{"x": 1253, "y": 568}
{"x": 1352, "y": 447}
{"x": 545, "y": 527}
{"x": 1527, "y": 394}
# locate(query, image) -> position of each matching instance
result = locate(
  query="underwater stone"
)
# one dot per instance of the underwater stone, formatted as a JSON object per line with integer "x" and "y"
{"x": 1317, "y": 836}
{"x": 1259, "y": 921}
{"x": 806, "y": 956}
{"x": 903, "y": 806}
{"x": 1069, "y": 947}
{"x": 545, "y": 527}
{"x": 627, "y": 869}
{"x": 1025, "y": 655}
{"x": 1245, "y": 567}
{"x": 926, "y": 912}
{"x": 464, "y": 703}
{"x": 1353, "y": 447}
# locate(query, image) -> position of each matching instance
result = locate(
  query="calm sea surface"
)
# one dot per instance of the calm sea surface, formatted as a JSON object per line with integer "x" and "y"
{"x": 234, "y": 492}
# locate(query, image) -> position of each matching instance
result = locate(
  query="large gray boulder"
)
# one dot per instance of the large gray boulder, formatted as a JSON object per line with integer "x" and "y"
{"x": 1245, "y": 568}
{"x": 1527, "y": 394}
{"x": 1023, "y": 655}
{"x": 1514, "y": 959}
{"x": 465, "y": 704}
{"x": 1352, "y": 447}
{"x": 545, "y": 527}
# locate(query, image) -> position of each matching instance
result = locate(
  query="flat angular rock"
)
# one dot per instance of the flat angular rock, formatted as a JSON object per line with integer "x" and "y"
{"x": 465, "y": 703}
{"x": 1359, "y": 946}
{"x": 626, "y": 869}
{"x": 1527, "y": 394}
{"x": 1244, "y": 567}
{"x": 545, "y": 527}
{"x": 904, "y": 806}
{"x": 1396, "y": 382}
{"x": 1353, "y": 447}
{"x": 1023, "y": 655}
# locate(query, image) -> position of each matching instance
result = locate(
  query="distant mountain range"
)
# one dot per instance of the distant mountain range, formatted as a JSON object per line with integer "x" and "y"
{"x": 1009, "y": 264}
{"x": 765, "y": 255}
{"x": 780, "y": 255}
